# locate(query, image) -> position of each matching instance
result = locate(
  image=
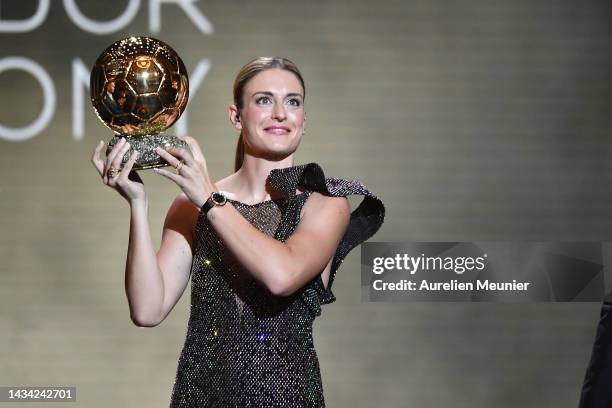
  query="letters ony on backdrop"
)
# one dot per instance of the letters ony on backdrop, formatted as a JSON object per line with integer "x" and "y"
{"x": 79, "y": 70}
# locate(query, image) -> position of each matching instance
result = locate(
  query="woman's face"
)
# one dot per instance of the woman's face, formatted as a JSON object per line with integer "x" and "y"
{"x": 272, "y": 117}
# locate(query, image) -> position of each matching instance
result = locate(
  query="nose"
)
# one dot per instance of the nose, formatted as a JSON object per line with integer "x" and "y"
{"x": 279, "y": 112}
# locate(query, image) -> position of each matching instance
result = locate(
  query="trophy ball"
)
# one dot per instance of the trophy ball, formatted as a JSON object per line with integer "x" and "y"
{"x": 139, "y": 87}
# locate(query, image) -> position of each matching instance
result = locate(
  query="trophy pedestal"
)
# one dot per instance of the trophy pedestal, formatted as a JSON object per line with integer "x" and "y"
{"x": 145, "y": 145}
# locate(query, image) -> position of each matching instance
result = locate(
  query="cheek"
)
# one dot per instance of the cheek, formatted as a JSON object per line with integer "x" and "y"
{"x": 255, "y": 116}
{"x": 298, "y": 118}
{"x": 246, "y": 119}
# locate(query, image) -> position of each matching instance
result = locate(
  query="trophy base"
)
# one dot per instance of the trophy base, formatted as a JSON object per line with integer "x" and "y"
{"x": 145, "y": 145}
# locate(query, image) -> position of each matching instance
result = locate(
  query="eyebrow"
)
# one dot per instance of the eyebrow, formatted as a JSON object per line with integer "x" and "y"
{"x": 271, "y": 94}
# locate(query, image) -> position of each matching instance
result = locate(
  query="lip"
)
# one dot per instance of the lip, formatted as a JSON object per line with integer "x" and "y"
{"x": 277, "y": 130}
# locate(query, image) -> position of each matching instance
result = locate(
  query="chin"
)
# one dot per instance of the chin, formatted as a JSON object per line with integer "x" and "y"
{"x": 275, "y": 153}
{"x": 276, "y": 147}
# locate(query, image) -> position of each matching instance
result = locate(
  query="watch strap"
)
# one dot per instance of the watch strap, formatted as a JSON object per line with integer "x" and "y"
{"x": 214, "y": 199}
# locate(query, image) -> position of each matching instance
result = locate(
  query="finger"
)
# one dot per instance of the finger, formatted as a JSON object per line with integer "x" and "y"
{"x": 196, "y": 152}
{"x": 117, "y": 163}
{"x": 183, "y": 154}
{"x": 167, "y": 156}
{"x": 128, "y": 166}
{"x": 113, "y": 150}
{"x": 96, "y": 160}
{"x": 171, "y": 175}
{"x": 113, "y": 153}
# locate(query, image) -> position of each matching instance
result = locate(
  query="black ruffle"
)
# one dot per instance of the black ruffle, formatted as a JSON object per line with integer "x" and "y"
{"x": 365, "y": 220}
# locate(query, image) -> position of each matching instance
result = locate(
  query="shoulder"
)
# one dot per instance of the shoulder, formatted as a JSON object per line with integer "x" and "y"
{"x": 322, "y": 206}
{"x": 226, "y": 185}
{"x": 183, "y": 208}
{"x": 184, "y": 202}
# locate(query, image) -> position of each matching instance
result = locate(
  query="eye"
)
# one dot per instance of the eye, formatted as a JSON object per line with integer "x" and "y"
{"x": 262, "y": 98}
{"x": 295, "y": 102}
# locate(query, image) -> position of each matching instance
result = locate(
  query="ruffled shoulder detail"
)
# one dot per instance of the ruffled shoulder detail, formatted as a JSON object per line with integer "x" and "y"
{"x": 365, "y": 220}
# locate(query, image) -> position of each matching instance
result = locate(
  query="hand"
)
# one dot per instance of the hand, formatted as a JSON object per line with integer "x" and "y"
{"x": 192, "y": 176}
{"x": 126, "y": 182}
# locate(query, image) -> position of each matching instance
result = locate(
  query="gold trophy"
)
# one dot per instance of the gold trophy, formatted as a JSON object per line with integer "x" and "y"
{"x": 139, "y": 87}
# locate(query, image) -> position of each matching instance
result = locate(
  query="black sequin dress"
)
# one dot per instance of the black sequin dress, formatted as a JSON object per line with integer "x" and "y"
{"x": 246, "y": 347}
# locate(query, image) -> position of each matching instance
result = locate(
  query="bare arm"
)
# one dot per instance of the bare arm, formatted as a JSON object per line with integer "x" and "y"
{"x": 155, "y": 281}
{"x": 285, "y": 267}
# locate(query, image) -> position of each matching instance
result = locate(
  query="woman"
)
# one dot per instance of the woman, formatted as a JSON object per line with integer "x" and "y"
{"x": 262, "y": 246}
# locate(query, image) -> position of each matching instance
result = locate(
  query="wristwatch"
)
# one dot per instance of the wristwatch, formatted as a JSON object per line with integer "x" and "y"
{"x": 214, "y": 199}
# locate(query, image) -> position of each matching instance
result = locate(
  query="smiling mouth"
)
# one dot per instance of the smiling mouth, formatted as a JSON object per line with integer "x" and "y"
{"x": 277, "y": 130}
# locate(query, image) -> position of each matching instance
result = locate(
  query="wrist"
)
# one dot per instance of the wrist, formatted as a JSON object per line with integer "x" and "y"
{"x": 215, "y": 199}
{"x": 204, "y": 198}
{"x": 139, "y": 203}
{"x": 208, "y": 192}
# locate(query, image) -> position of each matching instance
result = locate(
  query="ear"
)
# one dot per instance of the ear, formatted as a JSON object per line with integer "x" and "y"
{"x": 234, "y": 117}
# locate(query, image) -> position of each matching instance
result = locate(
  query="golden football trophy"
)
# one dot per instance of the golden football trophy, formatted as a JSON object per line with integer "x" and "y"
{"x": 139, "y": 88}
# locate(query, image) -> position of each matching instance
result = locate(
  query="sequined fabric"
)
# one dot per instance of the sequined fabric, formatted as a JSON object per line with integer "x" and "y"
{"x": 246, "y": 347}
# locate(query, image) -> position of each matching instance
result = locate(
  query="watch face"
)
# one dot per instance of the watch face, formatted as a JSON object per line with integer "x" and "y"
{"x": 218, "y": 198}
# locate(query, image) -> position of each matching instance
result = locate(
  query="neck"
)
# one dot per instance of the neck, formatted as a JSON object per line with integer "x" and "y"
{"x": 250, "y": 179}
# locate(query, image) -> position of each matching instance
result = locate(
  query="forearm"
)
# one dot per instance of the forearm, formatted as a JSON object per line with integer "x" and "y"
{"x": 265, "y": 258}
{"x": 143, "y": 279}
